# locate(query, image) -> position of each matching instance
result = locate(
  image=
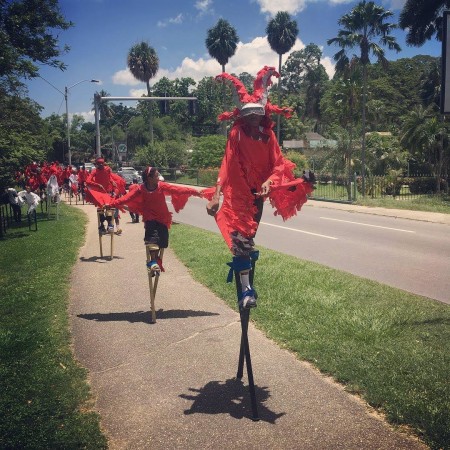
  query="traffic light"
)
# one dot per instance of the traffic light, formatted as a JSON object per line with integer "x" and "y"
{"x": 193, "y": 107}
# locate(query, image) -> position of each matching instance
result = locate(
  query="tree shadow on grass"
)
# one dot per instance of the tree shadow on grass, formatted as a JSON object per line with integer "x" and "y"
{"x": 14, "y": 235}
{"x": 230, "y": 397}
{"x": 145, "y": 316}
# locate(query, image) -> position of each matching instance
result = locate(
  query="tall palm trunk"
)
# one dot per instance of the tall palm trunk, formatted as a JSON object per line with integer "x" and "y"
{"x": 349, "y": 163}
{"x": 223, "y": 125}
{"x": 279, "y": 99}
{"x": 150, "y": 112}
{"x": 363, "y": 126}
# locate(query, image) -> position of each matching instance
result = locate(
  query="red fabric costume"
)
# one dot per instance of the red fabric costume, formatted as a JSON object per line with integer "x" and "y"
{"x": 100, "y": 184}
{"x": 151, "y": 205}
{"x": 253, "y": 156}
{"x": 247, "y": 163}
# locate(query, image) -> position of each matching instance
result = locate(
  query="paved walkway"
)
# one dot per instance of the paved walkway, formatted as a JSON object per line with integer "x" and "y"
{"x": 171, "y": 385}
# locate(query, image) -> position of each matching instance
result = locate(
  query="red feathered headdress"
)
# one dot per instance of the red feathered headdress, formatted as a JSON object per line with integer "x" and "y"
{"x": 258, "y": 102}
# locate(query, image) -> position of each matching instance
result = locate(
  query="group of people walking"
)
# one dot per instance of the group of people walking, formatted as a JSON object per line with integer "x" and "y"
{"x": 253, "y": 170}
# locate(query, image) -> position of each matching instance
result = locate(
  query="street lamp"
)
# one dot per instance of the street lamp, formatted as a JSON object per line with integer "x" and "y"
{"x": 66, "y": 92}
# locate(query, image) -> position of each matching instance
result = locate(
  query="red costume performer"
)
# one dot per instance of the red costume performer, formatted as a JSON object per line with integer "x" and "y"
{"x": 150, "y": 202}
{"x": 252, "y": 169}
{"x": 101, "y": 182}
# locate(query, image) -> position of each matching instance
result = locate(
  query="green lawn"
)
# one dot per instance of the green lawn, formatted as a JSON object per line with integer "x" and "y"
{"x": 45, "y": 400}
{"x": 389, "y": 346}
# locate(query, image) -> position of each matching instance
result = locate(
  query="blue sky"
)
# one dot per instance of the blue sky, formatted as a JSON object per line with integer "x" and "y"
{"x": 105, "y": 30}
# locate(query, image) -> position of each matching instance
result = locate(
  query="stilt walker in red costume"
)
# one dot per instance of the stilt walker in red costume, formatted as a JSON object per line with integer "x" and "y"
{"x": 149, "y": 200}
{"x": 253, "y": 169}
{"x": 101, "y": 184}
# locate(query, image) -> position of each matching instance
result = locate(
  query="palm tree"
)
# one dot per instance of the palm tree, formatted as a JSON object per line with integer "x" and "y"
{"x": 426, "y": 136}
{"x": 143, "y": 63}
{"x": 365, "y": 22}
{"x": 221, "y": 42}
{"x": 423, "y": 19}
{"x": 105, "y": 110}
{"x": 281, "y": 34}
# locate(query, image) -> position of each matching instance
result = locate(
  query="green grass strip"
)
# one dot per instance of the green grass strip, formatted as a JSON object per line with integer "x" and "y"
{"x": 387, "y": 345}
{"x": 45, "y": 400}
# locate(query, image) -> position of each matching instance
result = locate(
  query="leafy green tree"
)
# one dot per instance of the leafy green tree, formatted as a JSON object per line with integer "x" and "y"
{"x": 210, "y": 105}
{"x": 385, "y": 154}
{"x": 28, "y": 39}
{"x": 423, "y": 20}
{"x": 208, "y": 151}
{"x": 247, "y": 81}
{"x": 304, "y": 75}
{"x": 143, "y": 63}
{"x": 341, "y": 104}
{"x": 281, "y": 32}
{"x": 365, "y": 23}
{"x": 426, "y": 137}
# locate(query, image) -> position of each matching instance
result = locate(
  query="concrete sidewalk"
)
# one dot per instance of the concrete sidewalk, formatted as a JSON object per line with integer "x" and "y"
{"x": 171, "y": 385}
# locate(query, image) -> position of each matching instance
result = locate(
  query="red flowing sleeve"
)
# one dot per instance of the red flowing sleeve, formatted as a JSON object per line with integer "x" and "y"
{"x": 179, "y": 194}
{"x": 289, "y": 197}
{"x": 133, "y": 200}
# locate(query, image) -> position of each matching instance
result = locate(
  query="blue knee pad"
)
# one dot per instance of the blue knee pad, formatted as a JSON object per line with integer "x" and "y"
{"x": 238, "y": 264}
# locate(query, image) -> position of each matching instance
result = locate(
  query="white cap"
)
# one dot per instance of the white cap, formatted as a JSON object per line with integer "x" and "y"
{"x": 252, "y": 108}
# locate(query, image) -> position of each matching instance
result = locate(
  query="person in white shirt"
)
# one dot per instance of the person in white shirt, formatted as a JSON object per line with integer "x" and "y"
{"x": 30, "y": 198}
{"x": 16, "y": 203}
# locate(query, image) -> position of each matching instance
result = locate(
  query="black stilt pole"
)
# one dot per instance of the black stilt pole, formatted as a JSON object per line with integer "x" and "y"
{"x": 245, "y": 352}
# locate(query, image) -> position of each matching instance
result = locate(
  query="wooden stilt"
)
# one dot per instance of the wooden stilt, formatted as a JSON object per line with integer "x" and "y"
{"x": 153, "y": 276}
{"x": 107, "y": 213}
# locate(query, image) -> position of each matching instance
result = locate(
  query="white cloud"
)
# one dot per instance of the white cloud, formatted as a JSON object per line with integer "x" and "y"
{"x": 204, "y": 6}
{"x": 138, "y": 92}
{"x": 327, "y": 62}
{"x": 394, "y": 4}
{"x": 173, "y": 20}
{"x": 249, "y": 57}
{"x": 124, "y": 77}
{"x": 290, "y": 6}
{"x": 88, "y": 116}
{"x": 341, "y": 2}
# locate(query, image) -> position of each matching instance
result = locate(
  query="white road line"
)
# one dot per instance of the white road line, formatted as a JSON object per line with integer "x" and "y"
{"x": 368, "y": 225}
{"x": 299, "y": 231}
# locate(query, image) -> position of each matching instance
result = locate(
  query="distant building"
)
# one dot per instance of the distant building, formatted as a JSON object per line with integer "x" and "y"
{"x": 313, "y": 144}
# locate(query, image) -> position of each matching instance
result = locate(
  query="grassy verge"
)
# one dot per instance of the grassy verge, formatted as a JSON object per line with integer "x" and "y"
{"x": 45, "y": 400}
{"x": 389, "y": 346}
{"x": 439, "y": 204}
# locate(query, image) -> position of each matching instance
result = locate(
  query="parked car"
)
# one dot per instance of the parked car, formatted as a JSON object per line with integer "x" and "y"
{"x": 88, "y": 166}
{"x": 128, "y": 174}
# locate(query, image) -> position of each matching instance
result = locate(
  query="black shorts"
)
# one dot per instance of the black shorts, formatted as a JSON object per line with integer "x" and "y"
{"x": 156, "y": 233}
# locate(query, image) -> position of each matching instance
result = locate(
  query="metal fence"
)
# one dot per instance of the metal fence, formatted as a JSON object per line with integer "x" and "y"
{"x": 334, "y": 187}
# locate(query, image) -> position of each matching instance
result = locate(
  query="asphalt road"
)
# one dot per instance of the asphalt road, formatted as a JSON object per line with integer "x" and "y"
{"x": 408, "y": 254}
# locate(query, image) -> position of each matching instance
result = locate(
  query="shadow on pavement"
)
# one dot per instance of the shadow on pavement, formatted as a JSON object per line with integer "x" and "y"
{"x": 99, "y": 258}
{"x": 145, "y": 316}
{"x": 229, "y": 397}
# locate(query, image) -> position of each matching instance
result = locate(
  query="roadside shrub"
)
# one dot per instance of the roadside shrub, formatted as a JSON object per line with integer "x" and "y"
{"x": 425, "y": 185}
{"x": 207, "y": 177}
